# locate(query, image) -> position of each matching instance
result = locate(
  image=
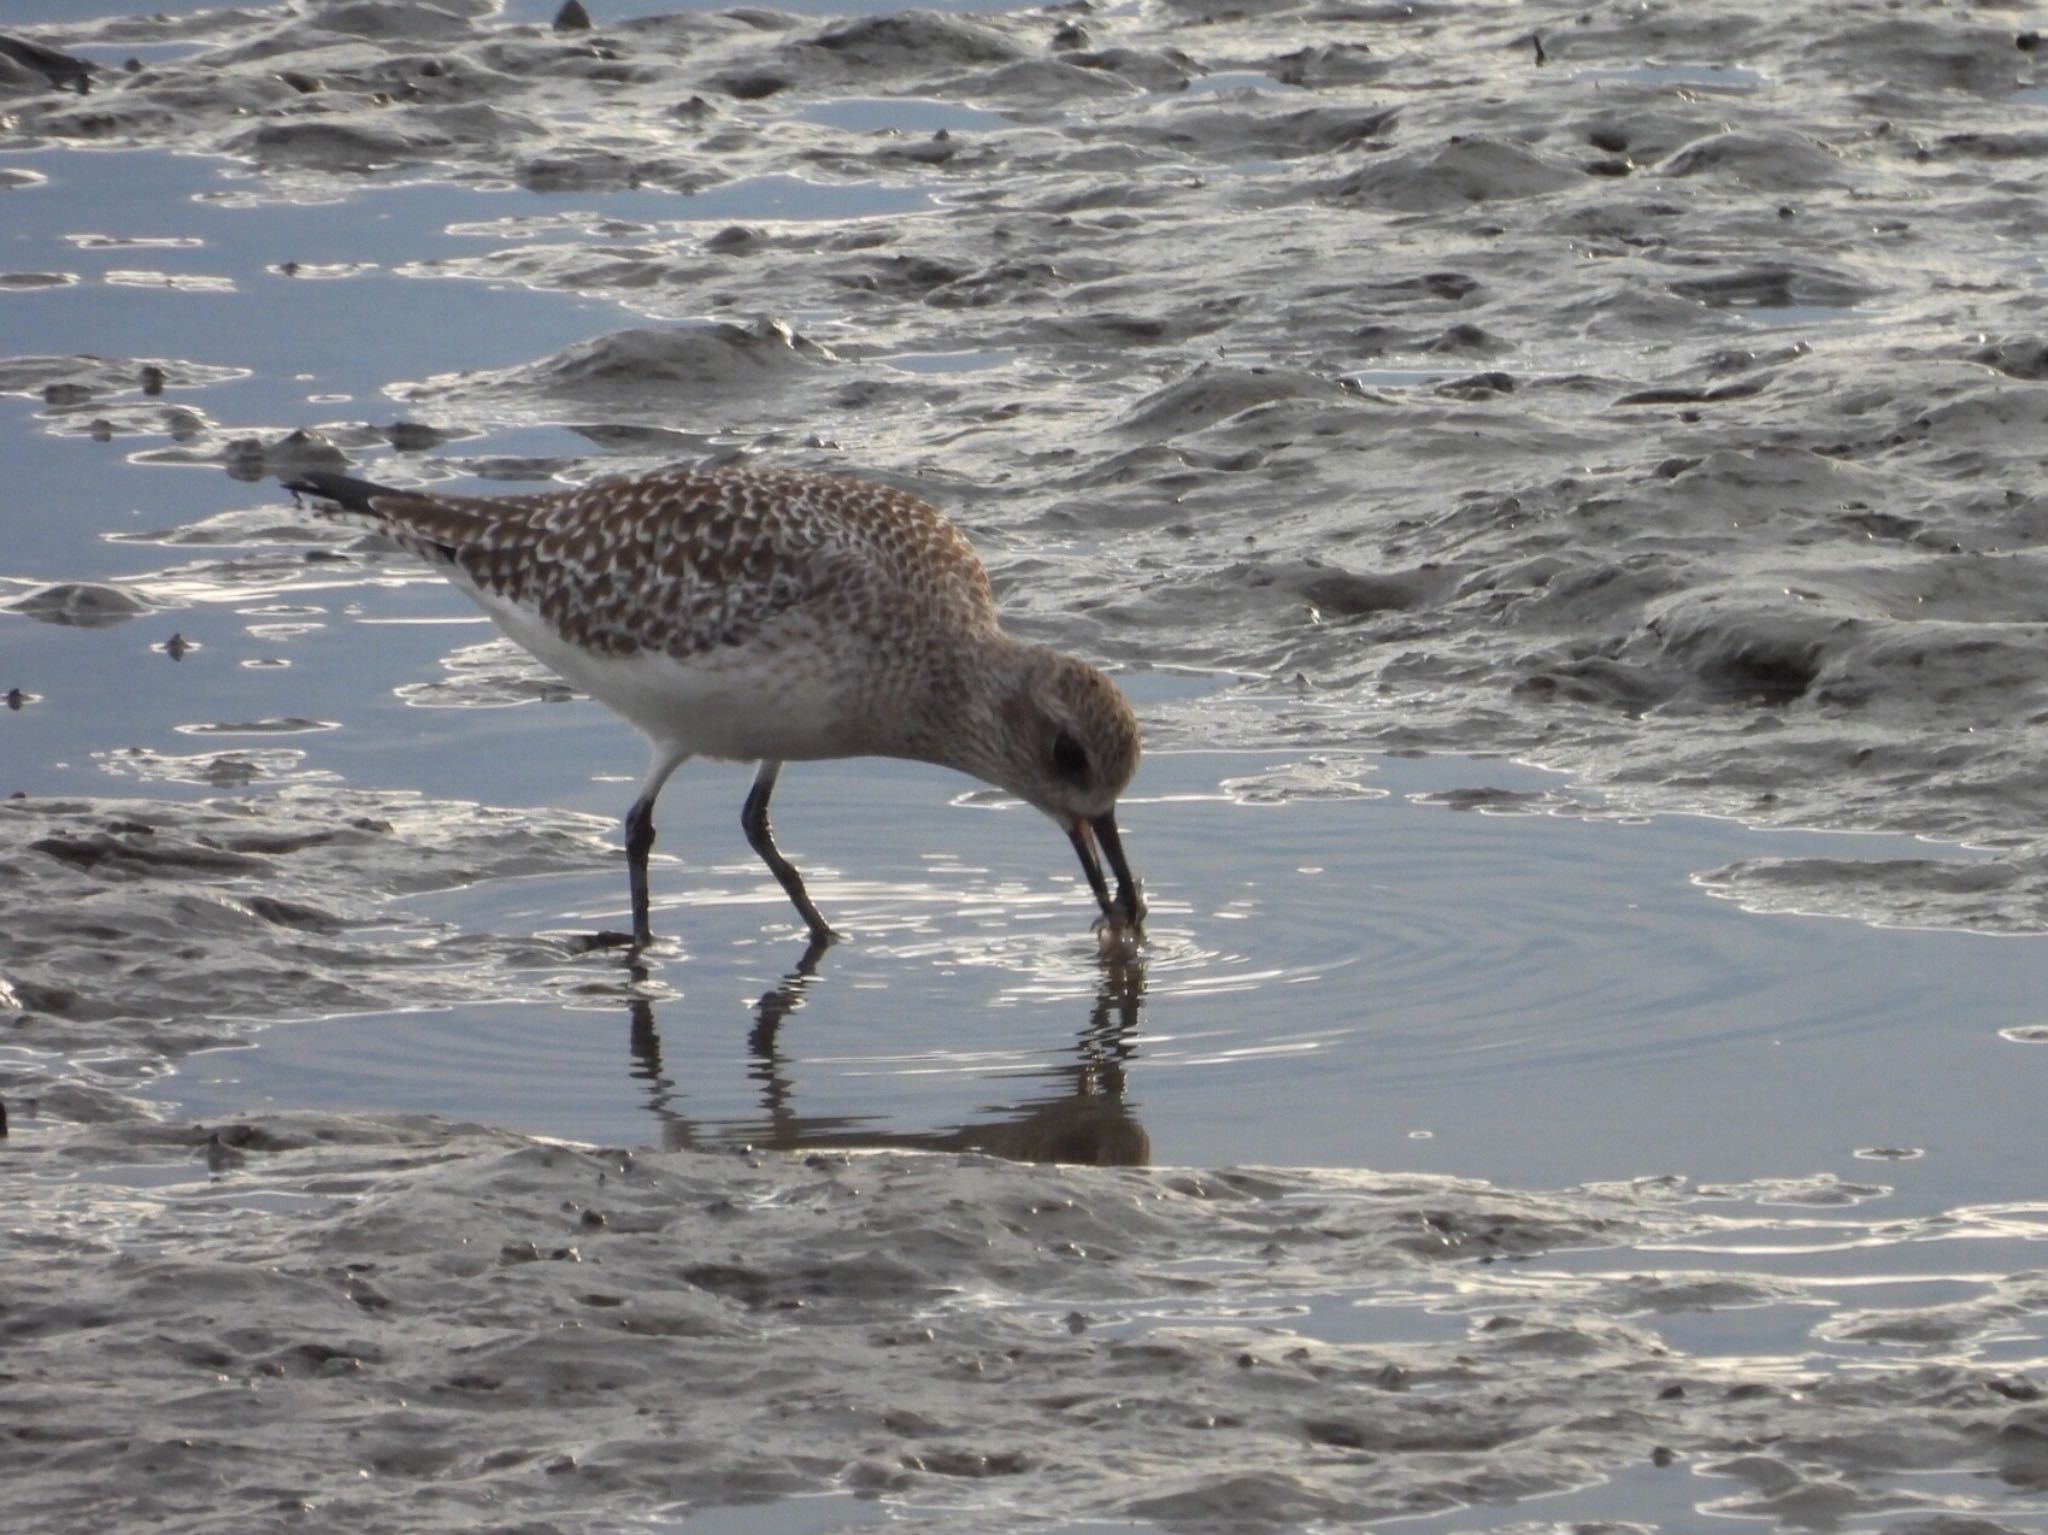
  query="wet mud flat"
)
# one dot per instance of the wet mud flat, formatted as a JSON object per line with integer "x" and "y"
{"x": 412, "y": 1326}
{"x": 1450, "y": 967}
{"x": 1671, "y": 1204}
{"x": 1652, "y": 394}
{"x": 1662, "y": 401}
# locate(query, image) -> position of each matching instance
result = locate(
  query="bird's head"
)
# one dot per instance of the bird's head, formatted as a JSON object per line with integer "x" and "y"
{"x": 1069, "y": 747}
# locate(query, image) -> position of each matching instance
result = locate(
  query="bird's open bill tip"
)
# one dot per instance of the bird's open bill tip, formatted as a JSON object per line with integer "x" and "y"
{"x": 1123, "y": 915}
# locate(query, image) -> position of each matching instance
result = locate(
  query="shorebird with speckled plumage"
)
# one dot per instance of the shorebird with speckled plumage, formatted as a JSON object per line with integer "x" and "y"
{"x": 777, "y": 616}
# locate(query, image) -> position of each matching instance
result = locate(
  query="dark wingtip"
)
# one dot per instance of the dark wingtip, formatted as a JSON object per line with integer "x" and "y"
{"x": 344, "y": 490}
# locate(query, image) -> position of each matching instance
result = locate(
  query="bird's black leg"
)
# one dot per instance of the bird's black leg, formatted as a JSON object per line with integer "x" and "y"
{"x": 639, "y": 842}
{"x": 761, "y": 838}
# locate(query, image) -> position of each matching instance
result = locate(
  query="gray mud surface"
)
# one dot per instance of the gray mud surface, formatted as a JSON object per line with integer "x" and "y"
{"x": 1670, "y": 410}
{"x": 1654, "y": 392}
{"x": 411, "y": 1326}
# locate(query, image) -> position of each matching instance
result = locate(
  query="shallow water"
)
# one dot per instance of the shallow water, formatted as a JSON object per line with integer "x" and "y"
{"x": 1332, "y": 979}
{"x": 1668, "y": 413}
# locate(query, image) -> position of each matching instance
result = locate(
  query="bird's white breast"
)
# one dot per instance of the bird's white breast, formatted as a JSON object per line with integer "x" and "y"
{"x": 782, "y": 697}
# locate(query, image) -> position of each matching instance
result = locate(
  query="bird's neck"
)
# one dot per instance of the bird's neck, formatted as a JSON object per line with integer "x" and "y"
{"x": 975, "y": 692}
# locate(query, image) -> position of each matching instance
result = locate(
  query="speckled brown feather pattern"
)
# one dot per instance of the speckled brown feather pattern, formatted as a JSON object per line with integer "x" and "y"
{"x": 683, "y": 562}
{"x": 775, "y": 616}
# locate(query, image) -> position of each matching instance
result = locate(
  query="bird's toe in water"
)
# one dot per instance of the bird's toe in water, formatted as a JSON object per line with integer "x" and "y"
{"x": 1118, "y": 937}
{"x": 591, "y": 943}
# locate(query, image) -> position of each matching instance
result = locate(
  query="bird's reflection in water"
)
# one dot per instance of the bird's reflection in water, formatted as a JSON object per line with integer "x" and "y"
{"x": 1084, "y": 1119}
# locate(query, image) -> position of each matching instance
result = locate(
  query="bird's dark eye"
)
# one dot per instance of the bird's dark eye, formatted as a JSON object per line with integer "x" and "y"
{"x": 1069, "y": 760}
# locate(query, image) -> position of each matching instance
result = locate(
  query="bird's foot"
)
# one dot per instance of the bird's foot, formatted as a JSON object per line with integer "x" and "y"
{"x": 591, "y": 943}
{"x": 1117, "y": 938}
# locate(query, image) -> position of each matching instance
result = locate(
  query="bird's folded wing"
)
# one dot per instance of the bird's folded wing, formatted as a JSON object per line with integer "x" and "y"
{"x": 675, "y": 564}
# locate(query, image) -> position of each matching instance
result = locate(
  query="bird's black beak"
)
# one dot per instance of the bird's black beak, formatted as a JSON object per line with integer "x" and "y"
{"x": 1128, "y": 906}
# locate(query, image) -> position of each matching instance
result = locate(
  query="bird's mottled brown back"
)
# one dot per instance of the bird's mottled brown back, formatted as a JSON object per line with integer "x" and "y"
{"x": 685, "y": 561}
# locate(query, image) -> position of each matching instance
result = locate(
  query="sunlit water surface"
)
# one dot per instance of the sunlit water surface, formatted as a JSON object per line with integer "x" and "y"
{"x": 1335, "y": 975}
{"x": 1344, "y": 969}
{"x": 1350, "y": 980}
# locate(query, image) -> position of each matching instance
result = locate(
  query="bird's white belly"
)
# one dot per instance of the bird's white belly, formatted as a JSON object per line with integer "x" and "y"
{"x": 744, "y": 704}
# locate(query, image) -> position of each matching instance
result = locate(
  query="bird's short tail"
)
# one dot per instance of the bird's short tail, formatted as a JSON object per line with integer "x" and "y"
{"x": 345, "y": 491}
